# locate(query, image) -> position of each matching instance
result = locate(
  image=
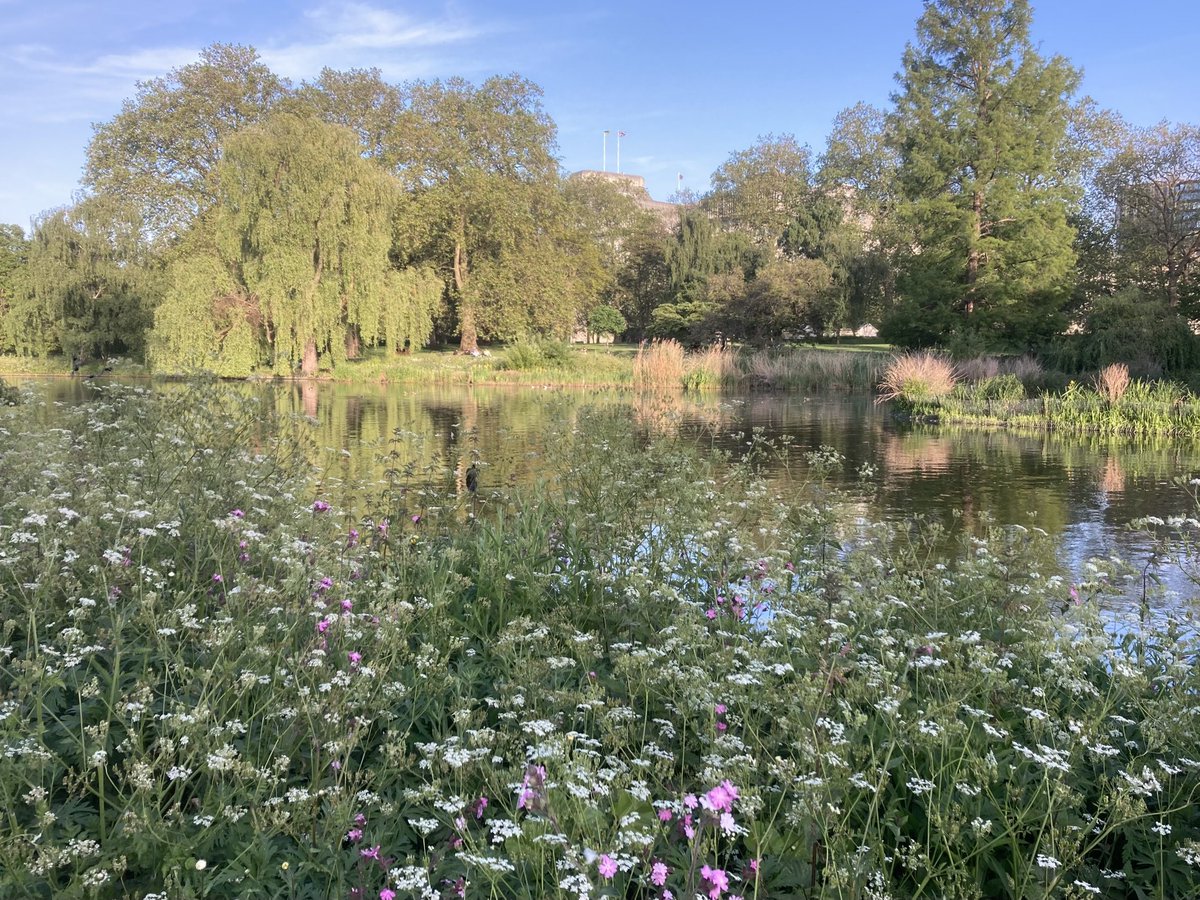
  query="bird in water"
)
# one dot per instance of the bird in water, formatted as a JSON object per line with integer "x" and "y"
{"x": 473, "y": 478}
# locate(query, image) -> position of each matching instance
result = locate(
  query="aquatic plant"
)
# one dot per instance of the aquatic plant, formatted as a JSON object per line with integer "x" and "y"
{"x": 917, "y": 378}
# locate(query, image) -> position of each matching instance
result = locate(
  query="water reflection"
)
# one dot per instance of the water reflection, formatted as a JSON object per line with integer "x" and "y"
{"x": 1082, "y": 491}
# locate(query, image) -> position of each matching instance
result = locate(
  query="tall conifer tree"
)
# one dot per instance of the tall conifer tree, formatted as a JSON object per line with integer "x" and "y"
{"x": 981, "y": 121}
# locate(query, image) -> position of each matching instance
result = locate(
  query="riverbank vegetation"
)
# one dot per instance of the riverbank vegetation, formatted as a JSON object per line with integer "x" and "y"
{"x": 230, "y": 676}
{"x": 434, "y": 213}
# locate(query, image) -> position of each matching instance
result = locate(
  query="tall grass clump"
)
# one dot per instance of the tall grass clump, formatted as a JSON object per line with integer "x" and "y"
{"x": 804, "y": 369}
{"x": 917, "y": 379}
{"x": 652, "y": 674}
{"x": 1112, "y": 382}
{"x": 659, "y": 366}
{"x": 708, "y": 369}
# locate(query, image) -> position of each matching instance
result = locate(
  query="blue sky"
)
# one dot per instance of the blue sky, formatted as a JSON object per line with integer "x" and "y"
{"x": 689, "y": 83}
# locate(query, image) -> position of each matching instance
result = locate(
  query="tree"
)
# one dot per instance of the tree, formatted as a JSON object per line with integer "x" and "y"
{"x": 605, "y": 320}
{"x": 786, "y": 296}
{"x": 644, "y": 281}
{"x": 480, "y": 162}
{"x": 1153, "y": 183}
{"x": 14, "y": 251}
{"x": 358, "y": 99}
{"x": 158, "y": 153}
{"x": 86, "y": 289}
{"x": 861, "y": 160}
{"x": 310, "y": 223}
{"x": 758, "y": 191}
{"x": 981, "y": 122}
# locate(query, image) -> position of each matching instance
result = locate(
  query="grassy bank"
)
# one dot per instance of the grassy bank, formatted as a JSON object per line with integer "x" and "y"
{"x": 649, "y": 674}
{"x": 851, "y": 368}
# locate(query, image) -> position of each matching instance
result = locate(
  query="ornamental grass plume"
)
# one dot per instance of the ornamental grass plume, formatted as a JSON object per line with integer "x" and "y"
{"x": 1112, "y": 382}
{"x": 917, "y": 378}
{"x": 659, "y": 366}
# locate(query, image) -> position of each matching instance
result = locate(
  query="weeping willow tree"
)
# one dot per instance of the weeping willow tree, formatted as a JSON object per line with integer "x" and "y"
{"x": 308, "y": 221}
{"x": 294, "y": 266}
{"x": 85, "y": 289}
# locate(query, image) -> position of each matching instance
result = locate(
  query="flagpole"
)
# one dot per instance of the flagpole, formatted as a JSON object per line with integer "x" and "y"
{"x": 619, "y": 133}
{"x": 604, "y": 157}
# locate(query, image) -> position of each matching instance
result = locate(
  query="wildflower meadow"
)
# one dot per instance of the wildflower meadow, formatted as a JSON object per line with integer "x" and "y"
{"x": 225, "y": 673}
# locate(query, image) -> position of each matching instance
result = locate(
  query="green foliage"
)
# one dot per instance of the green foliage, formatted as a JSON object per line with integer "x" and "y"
{"x": 226, "y": 682}
{"x": 85, "y": 289}
{"x": 606, "y": 320}
{"x": 537, "y": 354}
{"x": 982, "y": 126}
{"x": 158, "y": 154}
{"x": 756, "y": 191}
{"x": 308, "y": 223}
{"x": 1152, "y": 183}
{"x": 14, "y": 250}
{"x": 1133, "y": 328}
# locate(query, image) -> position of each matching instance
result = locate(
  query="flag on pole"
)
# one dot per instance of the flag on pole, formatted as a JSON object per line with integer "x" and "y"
{"x": 620, "y": 134}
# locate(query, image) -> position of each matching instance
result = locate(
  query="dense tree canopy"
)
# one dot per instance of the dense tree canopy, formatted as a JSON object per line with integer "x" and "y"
{"x": 233, "y": 222}
{"x": 981, "y": 122}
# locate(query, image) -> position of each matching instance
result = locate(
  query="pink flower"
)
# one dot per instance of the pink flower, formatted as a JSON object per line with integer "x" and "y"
{"x": 217, "y": 577}
{"x": 387, "y": 894}
{"x": 354, "y": 835}
{"x": 659, "y": 873}
{"x": 416, "y": 519}
{"x": 320, "y": 506}
{"x": 728, "y": 825}
{"x": 722, "y": 797}
{"x": 323, "y": 625}
{"x": 717, "y": 879}
{"x": 720, "y": 708}
{"x": 355, "y": 657}
{"x": 607, "y": 866}
{"x": 480, "y": 806}
{"x": 370, "y": 852}
{"x": 664, "y": 815}
{"x": 347, "y": 605}
{"x": 236, "y": 513}
{"x": 711, "y": 613}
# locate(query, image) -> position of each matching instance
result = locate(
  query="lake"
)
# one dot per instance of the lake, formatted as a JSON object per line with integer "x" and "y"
{"x": 1082, "y": 490}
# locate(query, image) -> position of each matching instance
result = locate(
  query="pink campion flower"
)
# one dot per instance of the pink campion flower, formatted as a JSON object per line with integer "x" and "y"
{"x": 690, "y": 801}
{"x": 347, "y": 605}
{"x": 320, "y": 506}
{"x": 236, "y": 513}
{"x": 711, "y": 613}
{"x": 352, "y": 538}
{"x": 607, "y": 866}
{"x": 480, "y": 806}
{"x": 664, "y": 815}
{"x": 720, "y": 709}
{"x": 721, "y": 726}
{"x": 355, "y": 657}
{"x": 416, "y": 518}
{"x": 717, "y": 879}
{"x": 217, "y": 579}
{"x": 360, "y": 819}
{"x": 387, "y": 894}
{"x": 659, "y": 873}
{"x": 728, "y": 825}
{"x": 354, "y": 835}
{"x": 324, "y": 624}
{"x": 721, "y": 798}
{"x": 370, "y": 852}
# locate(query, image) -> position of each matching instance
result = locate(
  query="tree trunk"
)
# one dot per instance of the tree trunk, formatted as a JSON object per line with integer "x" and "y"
{"x": 469, "y": 340}
{"x": 309, "y": 367}
{"x": 973, "y": 255}
{"x": 353, "y": 342}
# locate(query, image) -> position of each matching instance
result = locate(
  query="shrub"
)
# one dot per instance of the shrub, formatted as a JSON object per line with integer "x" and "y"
{"x": 917, "y": 378}
{"x": 538, "y": 353}
{"x": 1131, "y": 328}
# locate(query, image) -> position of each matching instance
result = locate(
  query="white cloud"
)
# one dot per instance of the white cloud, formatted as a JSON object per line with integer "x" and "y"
{"x": 360, "y": 35}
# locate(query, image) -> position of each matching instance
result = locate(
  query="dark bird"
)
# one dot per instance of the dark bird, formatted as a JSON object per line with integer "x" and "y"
{"x": 472, "y": 478}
